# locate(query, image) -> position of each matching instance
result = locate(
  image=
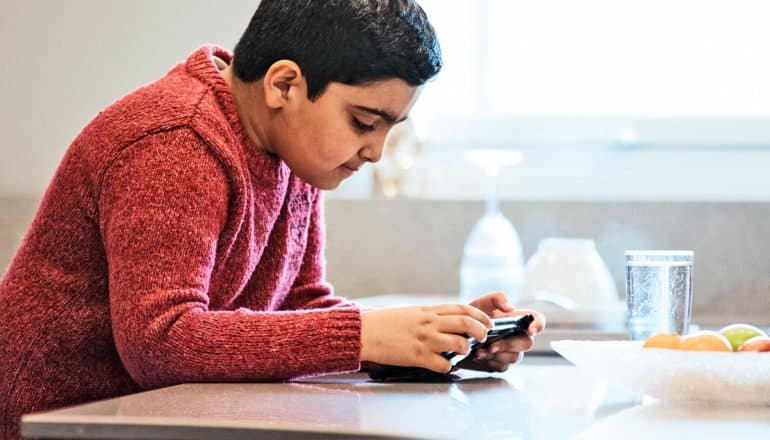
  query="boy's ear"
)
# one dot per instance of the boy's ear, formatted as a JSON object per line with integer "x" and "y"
{"x": 282, "y": 83}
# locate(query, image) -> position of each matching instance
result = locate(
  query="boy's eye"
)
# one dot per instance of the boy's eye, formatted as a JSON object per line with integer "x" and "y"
{"x": 361, "y": 127}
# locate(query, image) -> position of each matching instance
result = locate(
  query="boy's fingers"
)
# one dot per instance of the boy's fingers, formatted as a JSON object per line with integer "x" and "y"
{"x": 437, "y": 363}
{"x": 463, "y": 324}
{"x": 500, "y": 301}
{"x": 449, "y": 342}
{"x": 537, "y": 325}
{"x": 505, "y": 357}
{"x": 493, "y": 303}
{"x": 496, "y": 365}
{"x": 462, "y": 309}
{"x": 512, "y": 344}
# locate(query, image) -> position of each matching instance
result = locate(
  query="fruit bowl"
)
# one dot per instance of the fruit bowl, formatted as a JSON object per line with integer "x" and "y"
{"x": 674, "y": 375}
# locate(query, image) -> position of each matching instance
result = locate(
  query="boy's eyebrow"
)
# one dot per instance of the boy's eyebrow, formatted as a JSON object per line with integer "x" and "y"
{"x": 388, "y": 117}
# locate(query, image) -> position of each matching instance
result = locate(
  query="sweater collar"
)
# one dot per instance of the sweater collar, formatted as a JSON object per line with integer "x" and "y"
{"x": 201, "y": 65}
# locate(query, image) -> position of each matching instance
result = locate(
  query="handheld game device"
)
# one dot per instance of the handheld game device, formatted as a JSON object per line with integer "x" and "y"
{"x": 502, "y": 328}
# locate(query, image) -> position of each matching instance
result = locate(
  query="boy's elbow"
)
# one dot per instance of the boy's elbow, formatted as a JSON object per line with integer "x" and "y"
{"x": 152, "y": 357}
{"x": 150, "y": 369}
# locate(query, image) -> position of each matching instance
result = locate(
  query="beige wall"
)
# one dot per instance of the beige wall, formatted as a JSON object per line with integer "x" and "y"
{"x": 387, "y": 246}
{"x": 63, "y": 61}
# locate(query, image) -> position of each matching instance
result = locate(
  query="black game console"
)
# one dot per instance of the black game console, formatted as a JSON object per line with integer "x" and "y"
{"x": 503, "y": 328}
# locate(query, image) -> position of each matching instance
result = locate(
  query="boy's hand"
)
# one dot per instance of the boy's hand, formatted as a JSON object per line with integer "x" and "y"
{"x": 416, "y": 336}
{"x": 500, "y": 354}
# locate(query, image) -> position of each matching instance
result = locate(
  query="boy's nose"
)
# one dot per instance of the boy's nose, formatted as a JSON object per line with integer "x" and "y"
{"x": 373, "y": 152}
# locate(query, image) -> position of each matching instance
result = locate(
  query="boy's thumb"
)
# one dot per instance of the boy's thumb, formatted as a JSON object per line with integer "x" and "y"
{"x": 501, "y": 302}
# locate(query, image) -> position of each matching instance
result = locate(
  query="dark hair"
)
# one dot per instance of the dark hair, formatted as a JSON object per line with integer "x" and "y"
{"x": 347, "y": 41}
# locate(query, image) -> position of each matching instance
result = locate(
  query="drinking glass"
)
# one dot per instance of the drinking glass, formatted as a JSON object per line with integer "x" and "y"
{"x": 658, "y": 292}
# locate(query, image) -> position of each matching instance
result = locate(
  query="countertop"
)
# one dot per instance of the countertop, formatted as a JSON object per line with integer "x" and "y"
{"x": 542, "y": 398}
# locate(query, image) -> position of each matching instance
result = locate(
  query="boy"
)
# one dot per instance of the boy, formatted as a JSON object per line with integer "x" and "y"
{"x": 181, "y": 239}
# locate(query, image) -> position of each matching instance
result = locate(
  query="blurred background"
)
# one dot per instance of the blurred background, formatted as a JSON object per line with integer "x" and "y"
{"x": 637, "y": 124}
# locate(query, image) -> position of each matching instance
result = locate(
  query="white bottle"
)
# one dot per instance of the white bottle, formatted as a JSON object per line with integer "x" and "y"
{"x": 492, "y": 259}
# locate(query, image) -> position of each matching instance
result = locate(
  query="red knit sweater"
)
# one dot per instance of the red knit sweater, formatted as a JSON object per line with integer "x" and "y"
{"x": 168, "y": 249}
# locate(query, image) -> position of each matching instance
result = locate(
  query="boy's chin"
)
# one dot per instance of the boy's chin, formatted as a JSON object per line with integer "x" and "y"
{"x": 326, "y": 184}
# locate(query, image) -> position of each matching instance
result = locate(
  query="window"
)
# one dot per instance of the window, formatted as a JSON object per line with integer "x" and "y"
{"x": 561, "y": 73}
{"x": 607, "y": 99}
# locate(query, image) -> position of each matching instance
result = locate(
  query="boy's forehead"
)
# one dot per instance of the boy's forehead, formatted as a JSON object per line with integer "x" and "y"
{"x": 389, "y": 99}
{"x": 388, "y": 115}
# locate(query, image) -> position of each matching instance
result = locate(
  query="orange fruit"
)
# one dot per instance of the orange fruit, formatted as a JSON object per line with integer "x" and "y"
{"x": 663, "y": 340}
{"x": 705, "y": 341}
{"x": 757, "y": 343}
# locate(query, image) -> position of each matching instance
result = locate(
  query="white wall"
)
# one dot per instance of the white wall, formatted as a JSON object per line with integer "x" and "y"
{"x": 63, "y": 61}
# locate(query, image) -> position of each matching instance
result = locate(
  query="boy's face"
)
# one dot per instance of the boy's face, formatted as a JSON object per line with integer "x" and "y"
{"x": 329, "y": 139}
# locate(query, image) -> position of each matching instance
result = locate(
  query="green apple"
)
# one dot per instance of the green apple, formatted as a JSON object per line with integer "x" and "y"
{"x": 737, "y": 334}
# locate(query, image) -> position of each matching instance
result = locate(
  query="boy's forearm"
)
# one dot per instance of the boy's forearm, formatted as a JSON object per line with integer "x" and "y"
{"x": 200, "y": 346}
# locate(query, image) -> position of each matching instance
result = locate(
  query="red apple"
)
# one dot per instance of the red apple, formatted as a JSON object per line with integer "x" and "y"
{"x": 757, "y": 343}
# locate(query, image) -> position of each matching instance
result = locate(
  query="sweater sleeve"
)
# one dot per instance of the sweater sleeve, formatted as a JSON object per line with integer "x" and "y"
{"x": 310, "y": 289}
{"x": 162, "y": 206}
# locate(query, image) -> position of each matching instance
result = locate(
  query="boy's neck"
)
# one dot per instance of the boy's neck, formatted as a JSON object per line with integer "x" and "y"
{"x": 245, "y": 95}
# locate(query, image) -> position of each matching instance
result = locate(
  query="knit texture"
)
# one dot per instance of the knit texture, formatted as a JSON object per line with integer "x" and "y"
{"x": 168, "y": 249}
